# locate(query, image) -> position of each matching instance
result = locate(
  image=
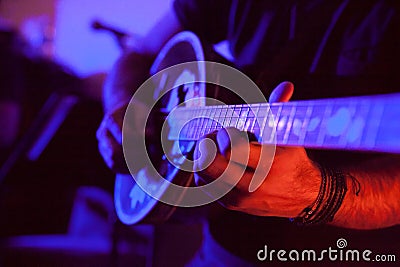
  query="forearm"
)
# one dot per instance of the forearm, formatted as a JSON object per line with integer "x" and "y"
{"x": 128, "y": 73}
{"x": 132, "y": 69}
{"x": 377, "y": 204}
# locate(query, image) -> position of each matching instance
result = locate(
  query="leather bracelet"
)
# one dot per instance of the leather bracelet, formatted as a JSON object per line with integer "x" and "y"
{"x": 330, "y": 197}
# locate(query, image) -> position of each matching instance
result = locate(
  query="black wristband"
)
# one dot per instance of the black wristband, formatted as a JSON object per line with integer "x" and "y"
{"x": 330, "y": 197}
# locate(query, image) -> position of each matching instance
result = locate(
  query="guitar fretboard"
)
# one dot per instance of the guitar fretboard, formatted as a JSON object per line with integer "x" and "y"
{"x": 356, "y": 123}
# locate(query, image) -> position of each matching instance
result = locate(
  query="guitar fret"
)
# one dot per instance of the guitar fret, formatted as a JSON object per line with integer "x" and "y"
{"x": 305, "y": 124}
{"x": 255, "y": 118}
{"x": 249, "y": 120}
{"x": 290, "y": 123}
{"x": 352, "y": 108}
{"x": 322, "y": 130}
{"x": 235, "y": 116}
{"x": 202, "y": 130}
{"x": 188, "y": 127}
{"x": 216, "y": 119}
{"x": 365, "y": 110}
{"x": 258, "y": 124}
{"x": 222, "y": 120}
{"x": 377, "y": 112}
{"x": 198, "y": 123}
{"x": 229, "y": 114}
{"x": 185, "y": 126}
{"x": 204, "y": 121}
{"x": 242, "y": 118}
{"x": 248, "y": 123}
{"x": 272, "y": 138}
{"x": 194, "y": 124}
{"x": 208, "y": 120}
{"x": 264, "y": 115}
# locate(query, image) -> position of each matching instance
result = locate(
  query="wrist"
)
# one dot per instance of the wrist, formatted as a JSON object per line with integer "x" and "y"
{"x": 332, "y": 191}
{"x": 116, "y": 104}
{"x": 305, "y": 189}
{"x": 127, "y": 75}
{"x": 115, "y": 97}
{"x": 311, "y": 183}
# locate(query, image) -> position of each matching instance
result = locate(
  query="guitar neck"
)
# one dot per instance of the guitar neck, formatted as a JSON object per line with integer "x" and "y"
{"x": 368, "y": 123}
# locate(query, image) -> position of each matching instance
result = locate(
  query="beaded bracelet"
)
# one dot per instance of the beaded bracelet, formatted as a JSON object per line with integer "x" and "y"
{"x": 330, "y": 197}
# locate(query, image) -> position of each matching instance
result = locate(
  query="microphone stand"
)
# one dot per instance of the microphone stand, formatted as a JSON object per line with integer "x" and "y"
{"x": 121, "y": 37}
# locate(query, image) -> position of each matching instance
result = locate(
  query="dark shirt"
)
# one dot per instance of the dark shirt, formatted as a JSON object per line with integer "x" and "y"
{"x": 304, "y": 41}
{"x": 328, "y": 49}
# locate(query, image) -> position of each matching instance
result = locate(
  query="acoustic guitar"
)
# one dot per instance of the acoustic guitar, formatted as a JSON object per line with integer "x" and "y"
{"x": 366, "y": 123}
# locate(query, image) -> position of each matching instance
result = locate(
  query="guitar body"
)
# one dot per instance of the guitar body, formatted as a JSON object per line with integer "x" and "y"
{"x": 364, "y": 123}
{"x": 132, "y": 204}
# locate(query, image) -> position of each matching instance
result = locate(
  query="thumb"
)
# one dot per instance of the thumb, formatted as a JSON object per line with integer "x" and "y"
{"x": 282, "y": 93}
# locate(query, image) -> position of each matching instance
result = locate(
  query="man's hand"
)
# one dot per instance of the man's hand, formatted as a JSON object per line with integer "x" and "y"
{"x": 109, "y": 135}
{"x": 291, "y": 184}
{"x": 128, "y": 73}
